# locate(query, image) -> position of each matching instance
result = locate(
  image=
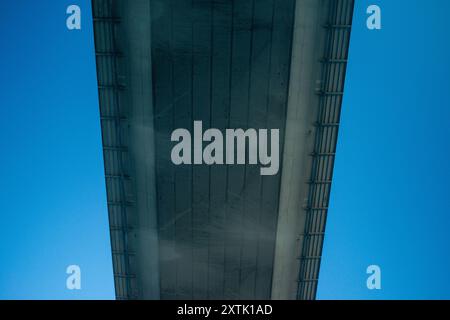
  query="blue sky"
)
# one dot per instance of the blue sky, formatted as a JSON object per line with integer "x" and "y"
{"x": 52, "y": 190}
{"x": 390, "y": 200}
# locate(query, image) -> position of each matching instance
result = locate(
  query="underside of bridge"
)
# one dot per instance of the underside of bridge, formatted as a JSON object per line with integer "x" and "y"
{"x": 219, "y": 232}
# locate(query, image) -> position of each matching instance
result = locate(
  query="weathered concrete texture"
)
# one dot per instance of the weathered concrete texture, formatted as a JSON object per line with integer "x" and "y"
{"x": 208, "y": 232}
{"x": 137, "y": 47}
{"x": 308, "y": 42}
{"x": 225, "y": 63}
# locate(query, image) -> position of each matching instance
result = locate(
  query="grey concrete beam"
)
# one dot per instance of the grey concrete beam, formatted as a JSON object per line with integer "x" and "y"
{"x": 308, "y": 44}
{"x": 136, "y": 28}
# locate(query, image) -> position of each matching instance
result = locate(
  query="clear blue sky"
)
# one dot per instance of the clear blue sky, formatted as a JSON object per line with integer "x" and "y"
{"x": 390, "y": 201}
{"x": 52, "y": 191}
